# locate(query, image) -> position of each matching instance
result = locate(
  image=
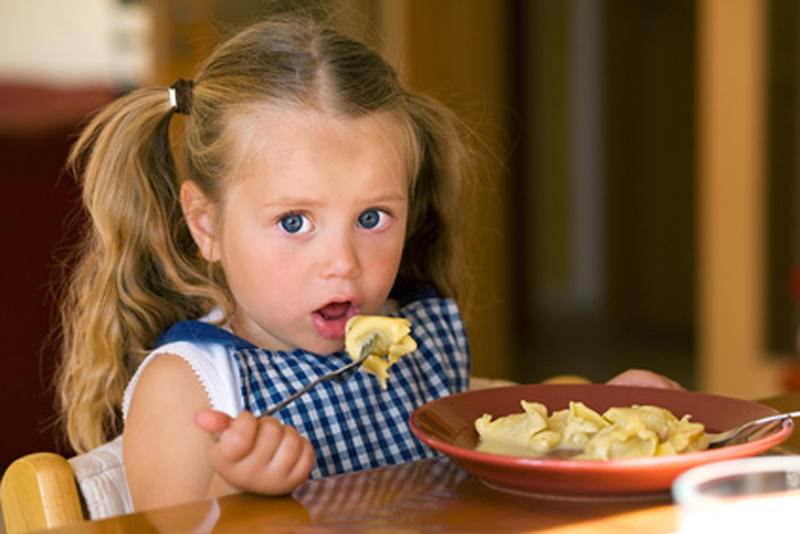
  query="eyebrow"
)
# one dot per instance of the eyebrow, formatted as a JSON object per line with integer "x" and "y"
{"x": 295, "y": 200}
{"x": 290, "y": 201}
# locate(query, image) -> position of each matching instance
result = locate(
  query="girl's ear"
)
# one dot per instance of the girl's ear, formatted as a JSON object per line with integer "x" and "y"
{"x": 199, "y": 217}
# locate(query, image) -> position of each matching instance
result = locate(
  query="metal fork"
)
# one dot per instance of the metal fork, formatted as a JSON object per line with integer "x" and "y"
{"x": 342, "y": 374}
{"x": 740, "y": 433}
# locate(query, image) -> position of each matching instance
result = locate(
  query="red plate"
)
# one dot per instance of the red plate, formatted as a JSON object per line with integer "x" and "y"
{"x": 446, "y": 425}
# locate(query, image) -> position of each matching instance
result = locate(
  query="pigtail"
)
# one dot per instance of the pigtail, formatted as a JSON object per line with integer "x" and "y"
{"x": 433, "y": 253}
{"x": 138, "y": 271}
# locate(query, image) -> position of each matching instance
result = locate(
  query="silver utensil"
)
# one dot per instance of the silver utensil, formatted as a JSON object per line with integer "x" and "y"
{"x": 746, "y": 431}
{"x": 340, "y": 375}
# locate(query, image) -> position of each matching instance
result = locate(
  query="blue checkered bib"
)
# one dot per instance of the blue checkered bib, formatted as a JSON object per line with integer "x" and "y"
{"x": 353, "y": 425}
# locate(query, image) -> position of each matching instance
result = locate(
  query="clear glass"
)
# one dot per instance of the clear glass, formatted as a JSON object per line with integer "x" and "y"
{"x": 745, "y": 495}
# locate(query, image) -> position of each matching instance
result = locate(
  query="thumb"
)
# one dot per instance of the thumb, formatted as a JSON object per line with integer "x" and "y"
{"x": 212, "y": 421}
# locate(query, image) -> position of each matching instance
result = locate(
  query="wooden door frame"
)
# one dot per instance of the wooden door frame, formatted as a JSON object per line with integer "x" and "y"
{"x": 732, "y": 355}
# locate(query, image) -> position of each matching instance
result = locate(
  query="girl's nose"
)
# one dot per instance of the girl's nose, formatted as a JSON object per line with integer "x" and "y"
{"x": 341, "y": 258}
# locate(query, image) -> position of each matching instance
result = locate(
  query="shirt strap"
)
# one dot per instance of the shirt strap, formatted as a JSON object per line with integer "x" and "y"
{"x": 202, "y": 332}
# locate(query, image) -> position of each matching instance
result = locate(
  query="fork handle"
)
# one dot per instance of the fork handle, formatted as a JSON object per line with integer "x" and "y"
{"x": 779, "y": 416}
{"x": 293, "y": 397}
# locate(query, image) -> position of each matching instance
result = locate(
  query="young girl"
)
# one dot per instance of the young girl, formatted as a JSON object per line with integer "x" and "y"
{"x": 312, "y": 187}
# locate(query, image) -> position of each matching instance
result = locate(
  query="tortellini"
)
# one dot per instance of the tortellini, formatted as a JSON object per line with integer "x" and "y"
{"x": 581, "y": 433}
{"x": 390, "y": 337}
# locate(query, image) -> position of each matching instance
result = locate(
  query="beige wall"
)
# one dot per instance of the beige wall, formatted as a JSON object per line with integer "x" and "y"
{"x": 74, "y": 42}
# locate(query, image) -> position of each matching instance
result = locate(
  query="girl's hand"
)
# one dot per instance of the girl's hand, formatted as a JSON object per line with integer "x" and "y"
{"x": 642, "y": 378}
{"x": 257, "y": 455}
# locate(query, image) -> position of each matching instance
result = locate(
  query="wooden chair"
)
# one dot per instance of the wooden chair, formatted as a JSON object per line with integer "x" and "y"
{"x": 45, "y": 490}
{"x": 38, "y": 492}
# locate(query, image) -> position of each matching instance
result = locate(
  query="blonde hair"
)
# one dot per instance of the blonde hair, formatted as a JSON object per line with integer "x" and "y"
{"x": 139, "y": 271}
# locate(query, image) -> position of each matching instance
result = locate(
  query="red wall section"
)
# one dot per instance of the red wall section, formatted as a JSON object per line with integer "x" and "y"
{"x": 37, "y": 201}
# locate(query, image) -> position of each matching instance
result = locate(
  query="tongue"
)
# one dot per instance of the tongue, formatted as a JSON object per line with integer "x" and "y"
{"x": 335, "y": 310}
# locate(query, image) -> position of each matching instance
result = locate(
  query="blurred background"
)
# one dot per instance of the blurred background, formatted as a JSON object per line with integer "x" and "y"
{"x": 636, "y": 202}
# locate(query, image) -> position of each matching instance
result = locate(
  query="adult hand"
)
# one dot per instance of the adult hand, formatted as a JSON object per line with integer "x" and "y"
{"x": 643, "y": 378}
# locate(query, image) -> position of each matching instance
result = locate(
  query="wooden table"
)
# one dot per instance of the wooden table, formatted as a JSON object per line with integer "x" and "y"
{"x": 424, "y": 496}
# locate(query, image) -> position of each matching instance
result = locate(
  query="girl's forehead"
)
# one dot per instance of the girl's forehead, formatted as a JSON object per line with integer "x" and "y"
{"x": 264, "y": 129}
{"x": 291, "y": 141}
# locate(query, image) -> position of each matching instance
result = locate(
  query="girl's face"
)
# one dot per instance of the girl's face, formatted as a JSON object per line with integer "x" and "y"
{"x": 312, "y": 228}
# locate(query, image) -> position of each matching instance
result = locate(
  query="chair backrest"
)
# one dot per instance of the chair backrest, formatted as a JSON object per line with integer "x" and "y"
{"x": 39, "y": 491}
{"x": 45, "y": 490}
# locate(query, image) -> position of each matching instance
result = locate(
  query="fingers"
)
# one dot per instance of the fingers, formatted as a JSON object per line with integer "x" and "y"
{"x": 238, "y": 440}
{"x": 294, "y": 456}
{"x": 261, "y": 455}
{"x": 304, "y": 464}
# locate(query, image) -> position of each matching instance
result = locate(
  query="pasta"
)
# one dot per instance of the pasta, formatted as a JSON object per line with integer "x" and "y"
{"x": 392, "y": 341}
{"x": 581, "y": 433}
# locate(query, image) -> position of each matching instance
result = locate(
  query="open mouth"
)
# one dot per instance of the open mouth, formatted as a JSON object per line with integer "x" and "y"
{"x": 335, "y": 310}
{"x": 331, "y": 319}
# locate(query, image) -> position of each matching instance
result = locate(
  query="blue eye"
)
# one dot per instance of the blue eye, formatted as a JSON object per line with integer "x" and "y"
{"x": 294, "y": 223}
{"x": 370, "y": 219}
